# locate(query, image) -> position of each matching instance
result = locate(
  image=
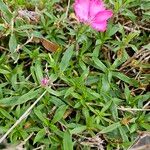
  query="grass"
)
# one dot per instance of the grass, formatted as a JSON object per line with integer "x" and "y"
{"x": 97, "y": 96}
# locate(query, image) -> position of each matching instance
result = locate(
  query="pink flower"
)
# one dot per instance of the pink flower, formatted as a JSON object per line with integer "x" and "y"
{"x": 92, "y": 12}
{"x": 44, "y": 82}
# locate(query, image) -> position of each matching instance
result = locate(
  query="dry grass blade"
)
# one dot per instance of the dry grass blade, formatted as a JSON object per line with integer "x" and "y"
{"x": 141, "y": 56}
{"x": 94, "y": 142}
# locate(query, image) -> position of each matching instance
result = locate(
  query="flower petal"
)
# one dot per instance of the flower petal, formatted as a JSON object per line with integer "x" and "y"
{"x": 103, "y": 15}
{"x": 99, "y": 26}
{"x": 81, "y": 8}
{"x": 95, "y": 7}
{"x": 99, "y": 23}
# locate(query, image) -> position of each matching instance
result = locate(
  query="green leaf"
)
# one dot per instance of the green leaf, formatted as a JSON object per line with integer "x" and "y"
{"x": 99, "y": 64}
{"x": 23, "y": 133}
{"x": 38, "y": 70}
{"x": 114, "y": 111}
{"x": 13, "y": 47}
{"x": 129, "y": 14}
{"x": 2, "y": 27}
{"x": 146, "y": 126}
{"x": 59, "y": 113}
{"x": 112, "y": 29}
{"x": 66, "y": 58}
{"x": 56, "y": 130}
{"x": 69, "y": 91}
{"x": 106, "y": 106}
{"x": 6, "y": 12}
{"x": 41, "y": 117}
{"x": 4, "y": 71}
{"x": 79, "y": 129}
{"x": 40, "y": 135}
{"x": 96, "y": 51}
{"x": 56, "y": 101}
{"x": 126, "y": 79}
{"x": 133, "y": 128}
{"x": 16, "y": 100}
{"x": 105, "y": 83}
{"x": 26, "y": 97}
{"x": 8, "y": 101}
{"x": 53, "y": 92}
{"x": 12, "y": 43}
{"x": 6, "y": 114}
{"x": 123, "y": 134}
{"x": 111, "y": 127}
{"x": 127, "y": 93}
{"x": 67, "y": 141}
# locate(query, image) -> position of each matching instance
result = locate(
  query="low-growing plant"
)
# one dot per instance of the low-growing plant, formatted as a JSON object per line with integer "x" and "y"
{"x": 64, "y": 85}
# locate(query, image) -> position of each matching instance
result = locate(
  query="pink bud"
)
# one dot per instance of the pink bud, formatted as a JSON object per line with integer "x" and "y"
{"x": 44, "y": 81}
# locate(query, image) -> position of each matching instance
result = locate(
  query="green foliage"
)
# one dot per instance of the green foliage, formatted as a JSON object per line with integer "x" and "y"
{"x": 92, "y": 77}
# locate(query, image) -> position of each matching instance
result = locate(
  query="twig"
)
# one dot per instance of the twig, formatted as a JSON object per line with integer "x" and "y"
{"x": 147, "y": 29}
{"x": 59, "y": 85}
{"x": 133, "y": 109}
{"x": 136, "y": 55}
{"x": 24, "y": 142}
{"x": 41, "y": 147}
{"x": 67, "y": 9}
{"x": 22, "y": 117}
{"x": 130, "y": 29}
{"x": 21, "y": 46}
{"x": 146, "y": 105}
{"x": 2, "y": 48}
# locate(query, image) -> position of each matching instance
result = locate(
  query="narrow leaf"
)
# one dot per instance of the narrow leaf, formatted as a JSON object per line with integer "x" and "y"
{"x": 79, "y": 129}
{"x": 6, "y": 12}
{"x": 126, "y": 79}
{"x": 40, "y": 135}
{"x": 12, "y": 43}
{"x": 66, "y": 58}
{"x": 67, "y": 141}
{"x": 59, "y": 113}
{"x": 99, "y": 64}
{"x": 111, "y": 127}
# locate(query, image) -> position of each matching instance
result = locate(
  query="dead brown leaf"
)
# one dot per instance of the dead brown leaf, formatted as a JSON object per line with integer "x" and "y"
{"x": 125, "y": 121}
{"x": 67, "y": 113}
{"x": 48, "y": 45}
